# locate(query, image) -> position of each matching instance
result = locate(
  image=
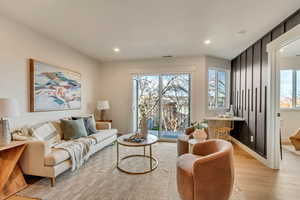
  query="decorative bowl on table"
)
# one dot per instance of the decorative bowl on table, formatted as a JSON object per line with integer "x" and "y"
{"x": 136, "y": 138}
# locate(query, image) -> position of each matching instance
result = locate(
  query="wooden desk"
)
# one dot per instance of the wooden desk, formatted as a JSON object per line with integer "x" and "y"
{"x": 216, "y": 122}
{"x": 224, "y": 119}
{"x": 11, "y": 176}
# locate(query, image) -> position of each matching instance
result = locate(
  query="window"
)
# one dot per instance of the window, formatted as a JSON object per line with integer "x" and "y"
{"x": 289, "y": 88}
{"x": 218, "y": 88}
{"x": 165, "y": 101}
{"x": 286, "y": 88}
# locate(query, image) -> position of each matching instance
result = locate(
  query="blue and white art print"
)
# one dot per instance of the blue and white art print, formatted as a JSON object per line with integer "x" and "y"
{"x": 54, "y": 88}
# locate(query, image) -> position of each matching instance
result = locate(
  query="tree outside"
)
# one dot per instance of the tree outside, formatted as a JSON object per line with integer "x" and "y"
{"x": 165, "y": 102}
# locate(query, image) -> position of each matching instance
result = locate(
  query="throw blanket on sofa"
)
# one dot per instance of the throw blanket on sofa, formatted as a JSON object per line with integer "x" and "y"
{"x": 79, "y": 150}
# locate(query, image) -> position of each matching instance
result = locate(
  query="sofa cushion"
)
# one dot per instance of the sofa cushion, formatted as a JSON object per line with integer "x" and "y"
{"x": 89, "y": 123}
{"x": 73, "y": 129}
{"x": 104, "y": 134}
{"x": 45, "y": 132}
{"x": 55, "y": 157}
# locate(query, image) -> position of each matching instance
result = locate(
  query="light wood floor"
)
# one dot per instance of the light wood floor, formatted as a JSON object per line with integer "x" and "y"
{"x": 98, "y": 179}
{"x": 261, "y": 183}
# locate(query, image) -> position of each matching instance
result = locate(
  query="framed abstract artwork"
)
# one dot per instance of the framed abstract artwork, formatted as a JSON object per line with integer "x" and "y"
{"x": 53, "y": 88}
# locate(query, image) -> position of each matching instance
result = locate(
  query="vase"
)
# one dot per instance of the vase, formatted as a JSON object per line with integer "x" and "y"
{"x": 144, "y": 128}
{"x": 5, "y": 135}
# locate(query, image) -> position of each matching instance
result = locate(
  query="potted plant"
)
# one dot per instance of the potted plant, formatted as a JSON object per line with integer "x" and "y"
{"x": 199, "y": 133}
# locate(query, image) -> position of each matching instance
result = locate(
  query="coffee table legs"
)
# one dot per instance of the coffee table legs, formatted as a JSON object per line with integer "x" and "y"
{"x": 150, "y": 149}
{"x": 117, "y": 154}
{"x": 151, "y": 159}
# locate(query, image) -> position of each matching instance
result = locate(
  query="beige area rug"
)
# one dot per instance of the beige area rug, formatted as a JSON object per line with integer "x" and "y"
{"x": 99, "y": 179}
{"x": 291, "y": 149}
{"x": 17, "y": 197}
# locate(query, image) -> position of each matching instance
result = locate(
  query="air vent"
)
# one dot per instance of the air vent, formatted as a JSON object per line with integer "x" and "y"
{"x": 168, "y": 56}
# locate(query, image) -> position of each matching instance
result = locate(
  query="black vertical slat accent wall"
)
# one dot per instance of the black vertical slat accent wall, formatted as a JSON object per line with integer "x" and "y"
{"x": 256, "y": 87}
{"x": 249, "y": 87}
{"x": 238, "y": 86}
{"x": 249, "y": 75}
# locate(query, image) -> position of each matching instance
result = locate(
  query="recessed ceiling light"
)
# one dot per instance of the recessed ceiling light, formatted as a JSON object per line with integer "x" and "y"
{"x": 207, "y": 41}
{"x": 281, "y": 50}
{"x": 116, "y": 49}
{"x": 168, "y": 56}
{"x": 242, "y": 32}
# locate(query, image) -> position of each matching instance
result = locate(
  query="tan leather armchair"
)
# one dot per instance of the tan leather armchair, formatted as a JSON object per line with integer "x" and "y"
{"x": 208, "y": 173}
{"x": 183, "y": 141}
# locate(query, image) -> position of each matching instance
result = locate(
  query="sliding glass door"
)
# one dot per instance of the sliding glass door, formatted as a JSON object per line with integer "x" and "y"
{"x": 166, "y": 100}
{"x": 147, "y": 94}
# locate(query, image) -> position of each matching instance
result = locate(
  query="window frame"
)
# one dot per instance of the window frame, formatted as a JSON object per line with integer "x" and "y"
{"x": 294, "y": 90}
{"x": 227, "y": 88}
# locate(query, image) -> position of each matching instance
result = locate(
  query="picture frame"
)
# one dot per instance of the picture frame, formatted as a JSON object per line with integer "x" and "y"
{"x": 53, "y": 88}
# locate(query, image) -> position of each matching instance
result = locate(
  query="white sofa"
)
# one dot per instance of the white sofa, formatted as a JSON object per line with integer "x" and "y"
{"x": 39, "y": 159}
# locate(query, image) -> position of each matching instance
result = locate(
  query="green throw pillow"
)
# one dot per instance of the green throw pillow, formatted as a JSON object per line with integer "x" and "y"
{"x": 89, "y": 124}
{"x": 73, "y": 129}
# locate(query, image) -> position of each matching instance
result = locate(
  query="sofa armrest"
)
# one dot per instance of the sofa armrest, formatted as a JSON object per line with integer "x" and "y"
{"x": 32, "y": 159}
{"x": 103, "y": 125}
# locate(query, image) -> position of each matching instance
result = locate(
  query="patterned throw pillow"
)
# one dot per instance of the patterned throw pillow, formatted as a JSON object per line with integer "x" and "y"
{"x": 57, "y": 125}
{"x": 46, "y": 132}
{"x": 89, "y": 123}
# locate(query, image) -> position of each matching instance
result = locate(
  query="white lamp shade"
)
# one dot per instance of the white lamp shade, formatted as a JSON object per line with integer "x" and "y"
{"x": 9, "y": 108}
{"x": 103, "y": 105}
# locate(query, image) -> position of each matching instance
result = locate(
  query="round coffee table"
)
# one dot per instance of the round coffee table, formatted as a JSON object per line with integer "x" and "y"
{"x": 151, "y": 139}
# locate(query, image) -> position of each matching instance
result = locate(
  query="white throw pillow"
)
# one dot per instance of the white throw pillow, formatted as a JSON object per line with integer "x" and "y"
{"x": 22, "y": 134}
{"x": 46, "y": 132}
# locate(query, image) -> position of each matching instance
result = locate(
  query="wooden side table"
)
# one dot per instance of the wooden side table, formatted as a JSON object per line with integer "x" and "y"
{"x": 11, "y": 176}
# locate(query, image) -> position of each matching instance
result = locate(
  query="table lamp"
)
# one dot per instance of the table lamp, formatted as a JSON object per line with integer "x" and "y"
{"x": 8, "y": 108}
{"x": 103, "y": 106}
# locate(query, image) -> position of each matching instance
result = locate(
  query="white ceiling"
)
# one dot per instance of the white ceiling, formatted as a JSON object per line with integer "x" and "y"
{"x": 151, "y": 28}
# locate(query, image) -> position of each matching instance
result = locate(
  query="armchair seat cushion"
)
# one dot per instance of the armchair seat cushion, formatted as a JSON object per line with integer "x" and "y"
{"x": 56, "y": 157}
{"x": 102, "y": 135}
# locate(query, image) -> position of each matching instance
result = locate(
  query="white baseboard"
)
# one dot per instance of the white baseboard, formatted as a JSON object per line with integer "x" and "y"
{"x": 251, "y": 152}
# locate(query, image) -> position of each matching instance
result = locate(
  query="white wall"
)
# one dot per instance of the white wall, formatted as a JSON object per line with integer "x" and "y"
{"x": 290, "y": 119}
{"x": 17, "y": 44}
{"x": 116, "y": 84}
